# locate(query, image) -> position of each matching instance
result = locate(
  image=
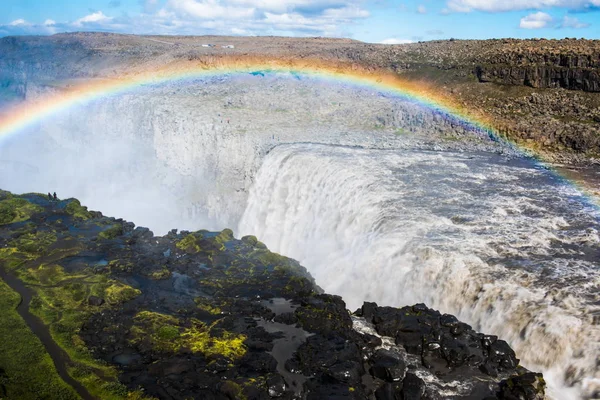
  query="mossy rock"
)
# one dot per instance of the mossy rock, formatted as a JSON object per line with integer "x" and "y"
{"x": 189, "y": 244}
{"x": 250, "y": 240}
{"x": 112, "y": 233}
{"x": 48, "y": 274}
{"x": 34, "y": 243}
{"x": 226, "y": 235}
{"x": 228, "y": 344}
{"x": 161, "y": 274}
{"x": 164, "y": 333}
{"x": 118, "y": 293}
{"x": 208, "y": 306}
{"x": 75, "y": 209}
{"x": 15, "y": 209}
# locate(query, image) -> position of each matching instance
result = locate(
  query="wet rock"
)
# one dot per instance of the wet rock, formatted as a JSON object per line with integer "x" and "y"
{"x": 346, "y": 371}
{"x": 529, "y": 386}
{"x": 446, "y": 347}
{"x": 95, "y": 301}
{"x": 413, "y": 387}
{"x": 388, "y": 366}
{"x": 389, "y": 391}
{"x": 276, "y": 386}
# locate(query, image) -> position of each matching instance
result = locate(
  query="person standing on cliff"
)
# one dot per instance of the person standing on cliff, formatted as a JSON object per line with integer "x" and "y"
{"x": 49, "y": 196}
{"x": 55, "y": 198}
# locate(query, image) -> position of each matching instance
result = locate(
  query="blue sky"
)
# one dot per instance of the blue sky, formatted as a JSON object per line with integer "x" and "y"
{"x": 388, "y": 21}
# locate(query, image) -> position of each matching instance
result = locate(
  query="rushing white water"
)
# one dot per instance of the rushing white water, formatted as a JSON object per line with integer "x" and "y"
{"x": 500, "y": 244}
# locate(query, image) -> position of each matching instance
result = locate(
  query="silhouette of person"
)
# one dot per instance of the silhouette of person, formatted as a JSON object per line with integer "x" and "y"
{"x": 55, "y": 198}
{"x": 49, "y": 196}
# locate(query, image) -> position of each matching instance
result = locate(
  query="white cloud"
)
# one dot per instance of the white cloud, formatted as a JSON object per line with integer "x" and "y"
{"x": 18, "y": 22}
{"x": 238, "y": 31}
{"x": 196, "y": 17}
{"x": 535, "y": 21}
{"x": 396, "y": 41}
{"x": 422, "y": 9}
{"x": 49, "y": 22}
{"x": 345, "y": 13}
{"x": 513, "y": 5}
{"x": 283, "y": 6}
{"x": 572, "y": 22}
{"x": 209, "y": 9}
{"x": 97, "y": 17}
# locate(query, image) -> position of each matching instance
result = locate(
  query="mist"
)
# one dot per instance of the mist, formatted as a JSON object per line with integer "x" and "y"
{"x": 184, "y": 155}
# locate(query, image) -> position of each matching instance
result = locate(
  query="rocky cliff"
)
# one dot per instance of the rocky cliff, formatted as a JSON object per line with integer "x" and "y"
{"x": 569, "y": 64}
{"x": 98, "y": 308}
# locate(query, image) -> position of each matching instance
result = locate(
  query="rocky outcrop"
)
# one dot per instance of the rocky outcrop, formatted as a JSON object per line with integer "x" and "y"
{"x": 204, "y": 315}
{"x": 570, "y": 64}
{"x": 541, "y": 76}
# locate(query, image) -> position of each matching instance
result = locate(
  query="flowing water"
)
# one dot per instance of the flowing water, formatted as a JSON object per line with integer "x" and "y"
{"x": 501, "y": 244}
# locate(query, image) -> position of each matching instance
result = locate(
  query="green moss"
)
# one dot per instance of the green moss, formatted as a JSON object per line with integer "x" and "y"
{"x": 75, "y": 209}
{"x": 228, "y": 344}
{"x": 15, "y": 209}
{"x": 12, "y": 258}
{"x": 112, "y": 232}
{"x": 168, "y": 332}
{"x": 29, "y": 370}
{"x": 118, "y": 293}
{"x": 62, "y": 305}
{"x": 267, "y": 257}
{"x": 46, "y": 274}
{"x": 224, "y": 236}
{"x": 34, "y": 244}
{"x": 190, "y": 244}
{"x": 164, "y": 333}
{"x": 159, "y": 330}
{"x": 250, "y": 240}
{"x": 120, "y": 266}
{"x": 207, "y": 306}
{"x": 161, "y": 274}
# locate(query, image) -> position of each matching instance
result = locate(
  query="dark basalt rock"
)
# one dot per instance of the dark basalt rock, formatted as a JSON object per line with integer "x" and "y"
{"x": 203, "y": 315}
{"x": 95, "y": 301}
{"x": 445, "y": 345}
{"x": 388, "y": 366}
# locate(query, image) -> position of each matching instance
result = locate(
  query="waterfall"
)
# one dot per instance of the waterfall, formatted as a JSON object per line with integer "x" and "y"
{"x": 369, "y": 211}
{"x": 471, "y": 235}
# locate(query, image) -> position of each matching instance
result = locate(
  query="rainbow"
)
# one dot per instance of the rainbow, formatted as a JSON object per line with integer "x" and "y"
{"x": 25, "y": 115}
{"x": 17, "y": 119}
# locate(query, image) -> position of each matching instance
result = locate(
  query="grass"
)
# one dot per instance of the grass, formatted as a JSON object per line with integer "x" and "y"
{"x": 61, "y": 303}
{"x": 29, "y": 372}
{"x": 63, "y": 307}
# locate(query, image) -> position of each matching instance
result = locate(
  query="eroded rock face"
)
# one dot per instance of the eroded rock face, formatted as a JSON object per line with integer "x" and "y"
{"x": 542, "y": 76}
{"x": 206, "y": 316}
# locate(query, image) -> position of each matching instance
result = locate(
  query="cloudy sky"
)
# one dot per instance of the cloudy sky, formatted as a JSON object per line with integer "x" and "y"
{"x": 381, "y": 21}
